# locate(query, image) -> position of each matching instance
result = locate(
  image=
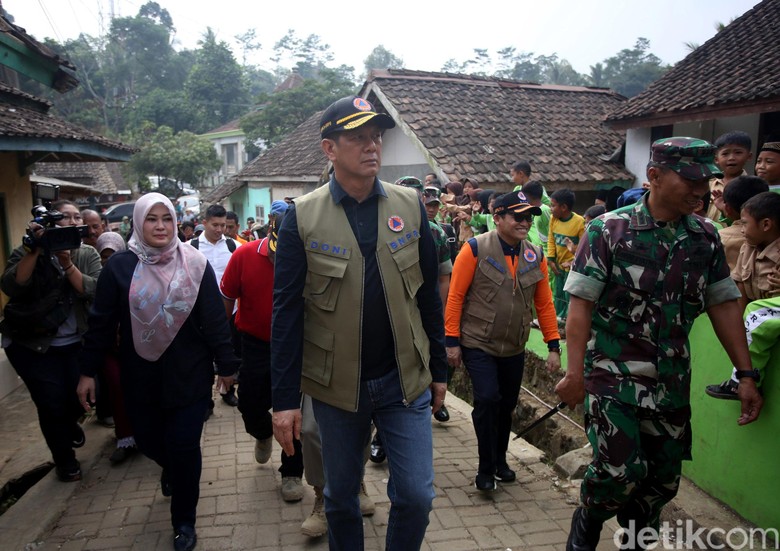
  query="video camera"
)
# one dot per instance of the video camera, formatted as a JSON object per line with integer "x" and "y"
{"x": 55, "y": 238}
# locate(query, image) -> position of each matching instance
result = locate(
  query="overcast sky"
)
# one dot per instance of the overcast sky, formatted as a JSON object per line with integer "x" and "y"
{"x": 423, "y": 33}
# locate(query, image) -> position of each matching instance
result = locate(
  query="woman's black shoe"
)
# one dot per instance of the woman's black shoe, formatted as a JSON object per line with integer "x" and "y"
{"x": 184, "y": 538}
{"x": 230, "y": 397}
{"x": 70, "y": 472}
{"x": 485, "y": 483}
{"x": 442, "y": 416}
{"x": 505, "y": 474}
{"x": 377, "y": 451}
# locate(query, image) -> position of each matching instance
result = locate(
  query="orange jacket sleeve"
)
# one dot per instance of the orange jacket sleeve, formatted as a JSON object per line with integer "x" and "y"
{"x": 543, "y": 301}
{"x": 462, "y": 276}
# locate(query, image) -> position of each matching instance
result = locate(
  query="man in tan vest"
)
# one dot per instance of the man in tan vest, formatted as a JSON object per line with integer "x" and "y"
{"x": 357, "y": 325}
{"x": 497, "y": 279}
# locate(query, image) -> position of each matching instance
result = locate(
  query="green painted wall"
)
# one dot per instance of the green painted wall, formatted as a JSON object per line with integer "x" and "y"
{"x": 737, "y": 465}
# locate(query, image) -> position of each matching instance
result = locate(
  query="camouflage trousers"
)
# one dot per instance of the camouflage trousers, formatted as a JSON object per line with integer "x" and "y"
{"x": 637, "y": 460}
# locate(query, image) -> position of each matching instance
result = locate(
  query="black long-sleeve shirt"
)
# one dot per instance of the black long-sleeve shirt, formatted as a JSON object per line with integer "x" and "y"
{"x": 185, "y": 371}
{"x": 378, "y": 356}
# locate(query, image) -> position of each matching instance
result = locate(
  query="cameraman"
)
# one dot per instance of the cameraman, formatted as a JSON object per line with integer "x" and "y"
{"x": 43, "y": 323}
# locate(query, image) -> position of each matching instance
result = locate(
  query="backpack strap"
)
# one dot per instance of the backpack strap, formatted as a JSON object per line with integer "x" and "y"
{"x": 231, "y": 245}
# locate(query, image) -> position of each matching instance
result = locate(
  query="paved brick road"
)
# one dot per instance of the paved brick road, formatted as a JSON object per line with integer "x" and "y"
{"x": 121, "y": 507}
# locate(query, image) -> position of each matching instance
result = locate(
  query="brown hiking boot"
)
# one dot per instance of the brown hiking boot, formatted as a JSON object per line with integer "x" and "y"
{"x": 316, "y": 525}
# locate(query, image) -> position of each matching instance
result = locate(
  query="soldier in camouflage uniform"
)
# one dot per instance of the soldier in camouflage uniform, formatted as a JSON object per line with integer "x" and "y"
{"x": 645, "y": 273}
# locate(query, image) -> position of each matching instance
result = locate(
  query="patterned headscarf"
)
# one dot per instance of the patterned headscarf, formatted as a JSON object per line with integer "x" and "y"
{"x": 165, "y": 284}
{"x": 110, "y": 240}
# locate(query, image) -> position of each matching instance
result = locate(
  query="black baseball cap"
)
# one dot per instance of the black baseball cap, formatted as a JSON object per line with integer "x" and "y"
{"x": 514, "y": 201}
{"x": 349, "y": 113}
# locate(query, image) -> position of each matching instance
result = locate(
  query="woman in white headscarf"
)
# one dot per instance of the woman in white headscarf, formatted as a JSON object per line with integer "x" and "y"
{"x": 163, "y": 297}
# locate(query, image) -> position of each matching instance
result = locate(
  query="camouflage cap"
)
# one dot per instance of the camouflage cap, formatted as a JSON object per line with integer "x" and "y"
{"x": 691, "y": 158}
{"x": 410, "y": 181}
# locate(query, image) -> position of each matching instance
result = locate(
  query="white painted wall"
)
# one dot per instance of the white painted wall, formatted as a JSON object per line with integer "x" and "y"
{"x": 397, "y": 149}
{"x": 637, "y": 153}
{"x": 638, "y": 139}
{"x": 711, "y": 131}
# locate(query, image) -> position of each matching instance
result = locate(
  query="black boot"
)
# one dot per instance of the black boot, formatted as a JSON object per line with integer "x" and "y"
{"x": 585, "y": 532}
{"x": 230, "y": 397}
{"x": 633, "y": 521}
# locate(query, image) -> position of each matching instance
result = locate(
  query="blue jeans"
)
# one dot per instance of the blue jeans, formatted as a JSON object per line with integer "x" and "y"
{"x": 408, "y": 442}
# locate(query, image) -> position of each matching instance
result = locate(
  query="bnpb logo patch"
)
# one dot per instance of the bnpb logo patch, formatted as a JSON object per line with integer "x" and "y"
{"x": 395, "y": 223}
{"x": 361, "y": 104}
{"x": 529, "y": 255}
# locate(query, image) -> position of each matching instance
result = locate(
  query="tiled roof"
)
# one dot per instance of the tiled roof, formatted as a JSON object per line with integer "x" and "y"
{"x": 65, "y": 78}
{"x": 25, "y": 120}
{"x": 104, "y": 177}
{"x": 478, "y": 126}
{"x": 293, "y": 80}
{"x": 470, "y": 126}
{"x": 297, "y": 157}
{"x": 735, "y": 68}
{"x": 235, "y": 124}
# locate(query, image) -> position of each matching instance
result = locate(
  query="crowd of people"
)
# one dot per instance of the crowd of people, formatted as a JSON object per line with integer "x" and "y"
{"x": 336, "y": 326}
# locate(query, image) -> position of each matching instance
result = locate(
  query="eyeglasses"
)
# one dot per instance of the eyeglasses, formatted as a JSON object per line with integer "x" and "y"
{"x": 522, "y": 217}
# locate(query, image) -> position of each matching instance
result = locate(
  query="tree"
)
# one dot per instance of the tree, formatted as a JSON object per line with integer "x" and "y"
{"x": 285, "y": 111}
{"x": 555, "y": 71}
{"x": 632, "y": 70}
{"x": 480, "y": 64}
{"x": 181, "y": 157}
{"x": 258, "y": 81}
{"x": 596, "y": 76}
{"x": 382, "y": 58}
{"x": 166, "y": 108}
{"x": 89, "y": 105}
{"x": 308, "y": 55}
{"x": 248, "y": 43}
{"x": 140, "y": 54}
{"x": 215, "y": 84}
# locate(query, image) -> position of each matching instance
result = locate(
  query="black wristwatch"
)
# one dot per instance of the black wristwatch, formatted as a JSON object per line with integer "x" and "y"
{"x": 752, "y": 373}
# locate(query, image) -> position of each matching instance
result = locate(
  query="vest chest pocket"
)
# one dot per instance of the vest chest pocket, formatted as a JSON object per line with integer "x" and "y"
{"x": 478, "y": 321}
{"x": 407, "y": 260}
{"x": 531, "y": 275}
{"x": 324, "y": 277}
{"x": 492, "y": 271}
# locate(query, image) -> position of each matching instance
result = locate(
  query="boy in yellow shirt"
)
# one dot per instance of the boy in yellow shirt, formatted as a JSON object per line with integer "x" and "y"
{"x": 564, "y": 224}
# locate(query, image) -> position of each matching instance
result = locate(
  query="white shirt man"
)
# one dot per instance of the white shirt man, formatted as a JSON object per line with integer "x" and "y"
{"x": 213, "y": 243}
